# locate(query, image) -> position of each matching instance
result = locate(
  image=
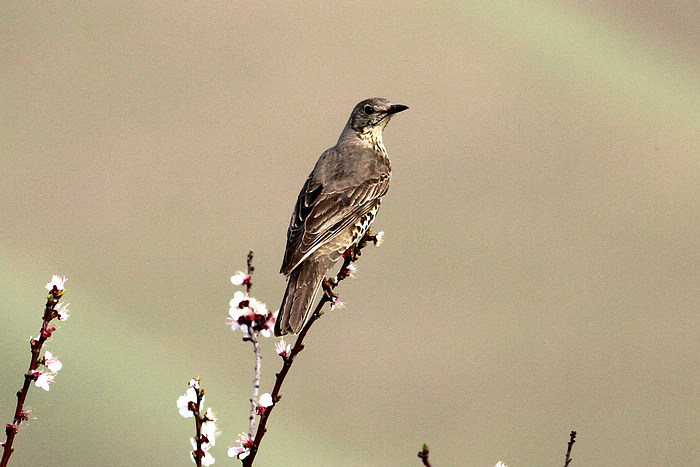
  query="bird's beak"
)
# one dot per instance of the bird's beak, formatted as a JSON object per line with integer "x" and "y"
{"x": 396, "y": 108}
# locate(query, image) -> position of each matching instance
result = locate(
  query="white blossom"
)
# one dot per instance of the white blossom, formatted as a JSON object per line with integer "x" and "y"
{"x": 207, "y": 459}
{"x": 283, "y": 349}
{"x": 379, "y": 239}
{"x": 183, "y": 402}
{"x": 44, "y": 379}
{"x": 265, "y": 400}
{"x": 57, "y": 281}
{"x": 240, "y": 278}
{"x": 52, "y": 363}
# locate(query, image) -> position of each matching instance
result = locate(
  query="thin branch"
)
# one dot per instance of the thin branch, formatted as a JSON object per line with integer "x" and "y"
{"x": 253, "y": 338}
{"x": 256, "y": 383}
{"x": 198, "y": 424}
{"x": 52, "y": 310}
{"x": 251, "y": 269}
{"x": 572, "y": 440}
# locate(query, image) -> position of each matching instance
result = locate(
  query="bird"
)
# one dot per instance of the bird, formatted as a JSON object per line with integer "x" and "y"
{"x": 335, "y": 208}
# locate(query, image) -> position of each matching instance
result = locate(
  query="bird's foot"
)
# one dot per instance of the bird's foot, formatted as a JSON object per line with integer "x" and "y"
{"x": 331, "y": 296}
{"x": 328, "y": 286}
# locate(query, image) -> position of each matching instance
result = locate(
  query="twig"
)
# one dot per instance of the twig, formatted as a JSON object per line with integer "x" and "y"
{"x": 253, "y": 338}
{"x": 256, "y": 383}
{"x": 423, "y": 455}
{"x": 53, "y": 309}
{"x": 198, "y": 453}
{"x": 572, "y": 440}
{"x": 248, "y": 282}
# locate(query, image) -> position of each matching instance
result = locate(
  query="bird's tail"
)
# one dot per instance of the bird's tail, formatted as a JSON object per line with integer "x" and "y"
{"x": 302, "y": 286}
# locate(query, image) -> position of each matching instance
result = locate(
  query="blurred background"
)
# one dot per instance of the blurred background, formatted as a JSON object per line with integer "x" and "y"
{"x": 540, "y": 272}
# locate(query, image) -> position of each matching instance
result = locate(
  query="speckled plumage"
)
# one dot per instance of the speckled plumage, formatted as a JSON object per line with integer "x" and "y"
{"x": 335, "y": 208}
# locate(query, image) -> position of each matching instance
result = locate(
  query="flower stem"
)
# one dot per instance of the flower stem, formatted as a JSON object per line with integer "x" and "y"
{"x": 256, "y": 383}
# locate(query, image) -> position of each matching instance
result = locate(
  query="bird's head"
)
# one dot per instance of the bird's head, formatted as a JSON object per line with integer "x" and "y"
{"x": 370, "y": 116}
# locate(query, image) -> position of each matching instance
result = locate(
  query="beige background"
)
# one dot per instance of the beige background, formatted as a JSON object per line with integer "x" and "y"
{"x": 540, "y": 274}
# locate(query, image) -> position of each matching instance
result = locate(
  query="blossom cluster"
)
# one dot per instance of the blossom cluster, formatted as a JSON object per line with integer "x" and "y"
{"x": 250, "y": 315}
{"x": 241, "y": 449}
{"x": 55, "y": 309}
{"x": 191, "y": 405}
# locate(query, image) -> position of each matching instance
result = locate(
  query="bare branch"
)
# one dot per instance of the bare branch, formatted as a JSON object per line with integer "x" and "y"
{"x": 572, "y": 440}
{"x": 423, "y": 455}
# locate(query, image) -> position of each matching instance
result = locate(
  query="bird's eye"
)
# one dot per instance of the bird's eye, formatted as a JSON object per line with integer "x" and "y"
{"x": 369, "y": 110}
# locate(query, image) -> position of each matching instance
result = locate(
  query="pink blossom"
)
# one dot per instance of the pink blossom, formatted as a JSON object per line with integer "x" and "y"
{"x": 242, "y": 447}
{"x": 336, "y": 303}
{"x": 47, "y": 330}
{"x": 61, "y": 311}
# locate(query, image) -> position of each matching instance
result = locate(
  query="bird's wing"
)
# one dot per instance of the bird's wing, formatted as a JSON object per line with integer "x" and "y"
{"x": 320, "y": 215}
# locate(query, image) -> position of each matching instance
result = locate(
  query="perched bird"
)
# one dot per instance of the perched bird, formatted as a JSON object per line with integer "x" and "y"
{"x": 335, "y": 208}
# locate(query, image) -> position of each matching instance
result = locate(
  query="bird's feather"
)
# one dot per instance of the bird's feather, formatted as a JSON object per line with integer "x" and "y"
{"x": 323, "y": 211}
